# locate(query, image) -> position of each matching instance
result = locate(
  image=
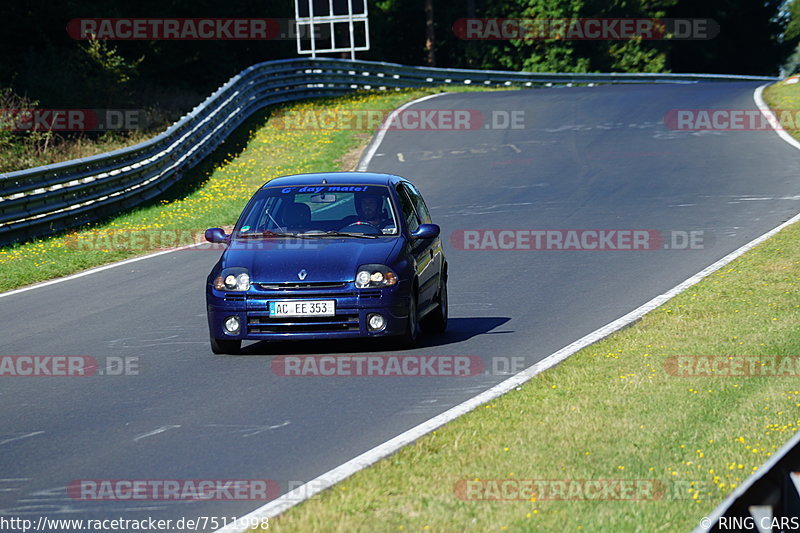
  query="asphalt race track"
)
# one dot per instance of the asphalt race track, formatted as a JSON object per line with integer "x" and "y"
{"x": 587, "y": 158}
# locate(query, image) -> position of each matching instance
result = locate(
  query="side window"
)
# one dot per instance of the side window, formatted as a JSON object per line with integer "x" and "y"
{"x": 408, "y": 209}
{"x": 419, "y": 203}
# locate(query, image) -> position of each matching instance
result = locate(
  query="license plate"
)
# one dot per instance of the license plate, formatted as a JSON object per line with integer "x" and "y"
{"x": 303, "y": 308}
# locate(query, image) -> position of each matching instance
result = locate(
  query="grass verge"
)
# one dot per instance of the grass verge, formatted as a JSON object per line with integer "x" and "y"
{"x": 48, "y": 148}
{"x": 783, "y": 96}
{"x": 614, "y": 411}
{"x": 33, "y": 148}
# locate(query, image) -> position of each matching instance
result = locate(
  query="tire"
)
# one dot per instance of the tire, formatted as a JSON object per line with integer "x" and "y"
{"x": 436, "y": 321}
{"x": 223, "y": 346}
{"x": 409, "y": 338}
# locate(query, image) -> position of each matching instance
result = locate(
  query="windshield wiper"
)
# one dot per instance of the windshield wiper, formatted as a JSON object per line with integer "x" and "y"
{"x": 268, "y": 234}
{"x": 342, "y": 234}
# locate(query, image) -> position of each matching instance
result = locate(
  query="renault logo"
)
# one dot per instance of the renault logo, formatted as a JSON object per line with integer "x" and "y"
{"x": 302, "y": 274}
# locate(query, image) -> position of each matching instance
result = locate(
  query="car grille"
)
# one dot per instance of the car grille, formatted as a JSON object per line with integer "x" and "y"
{"x": 301, "y": 286}
{"x": 315, "y": 290}
{"x": 262, "y": 323}
{"x": 369, "y": 295}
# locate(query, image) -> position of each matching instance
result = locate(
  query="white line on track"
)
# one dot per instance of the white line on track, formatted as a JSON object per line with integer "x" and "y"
{"x": 771, "y": 118}
{"x": 158, "y": 431}
{"x": 376, "y": 143}
{"x": 328, "y": 479}
{"x": 95, "y": 270}
{"x": 20, "y": 437}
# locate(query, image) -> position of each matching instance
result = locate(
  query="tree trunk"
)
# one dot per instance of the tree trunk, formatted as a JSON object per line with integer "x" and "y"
{"x": 429, "y": 37}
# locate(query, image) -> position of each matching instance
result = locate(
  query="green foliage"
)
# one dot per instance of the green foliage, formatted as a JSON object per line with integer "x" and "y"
{"x": 107, "y": 72}
{"x": 14, "y": 145}
{"x": 40, "y": 59}
{"x": 793, "y": 24}
{"x": 107, "y": 59}
{"x": 555, "y": 54}
{"x": 635, "y": 56}
{"x": 752, "y": 37}
{"x": 792, "y": 33}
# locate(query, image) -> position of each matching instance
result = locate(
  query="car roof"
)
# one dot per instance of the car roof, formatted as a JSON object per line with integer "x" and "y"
{"x": 336, "y": 178}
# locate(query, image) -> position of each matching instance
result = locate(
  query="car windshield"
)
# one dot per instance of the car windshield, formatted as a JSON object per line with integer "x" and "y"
{"x": 319, "y": 210}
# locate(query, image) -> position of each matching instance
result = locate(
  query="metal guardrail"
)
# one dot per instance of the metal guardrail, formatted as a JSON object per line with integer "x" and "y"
{"x": 52, "y": 198}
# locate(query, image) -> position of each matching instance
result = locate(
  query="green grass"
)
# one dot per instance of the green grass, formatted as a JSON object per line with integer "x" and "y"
{"x": 610, "y": 412}
{"x": 783, "y": 97}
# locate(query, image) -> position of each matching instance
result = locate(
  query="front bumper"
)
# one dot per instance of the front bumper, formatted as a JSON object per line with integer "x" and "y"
{"x": 350, "y": 321}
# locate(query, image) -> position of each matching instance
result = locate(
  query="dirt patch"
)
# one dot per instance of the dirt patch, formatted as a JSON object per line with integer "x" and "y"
{"x": 349, "y": 161}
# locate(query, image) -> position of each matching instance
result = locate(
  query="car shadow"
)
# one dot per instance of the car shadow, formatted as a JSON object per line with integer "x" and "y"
{"x": 458, "y": 330}
{"x": 462, "y": 329}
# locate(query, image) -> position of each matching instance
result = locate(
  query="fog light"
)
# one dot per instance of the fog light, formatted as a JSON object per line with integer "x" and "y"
{"x": 375, "y": 322}
{"x": 232, "y": 325}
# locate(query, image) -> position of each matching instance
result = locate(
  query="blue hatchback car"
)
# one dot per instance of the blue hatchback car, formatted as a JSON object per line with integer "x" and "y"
{"x": 326, "y": 256}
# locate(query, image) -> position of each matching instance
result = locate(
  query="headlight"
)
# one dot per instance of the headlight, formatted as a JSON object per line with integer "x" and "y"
{"x": 362, "y": 279}
{"x": 371, "y": 276}
{"x": 233, "y": 279}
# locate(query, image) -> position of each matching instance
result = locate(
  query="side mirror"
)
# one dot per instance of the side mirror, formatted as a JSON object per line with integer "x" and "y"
{"x": 216, "y": 235}
{"x": 426, "y": 231}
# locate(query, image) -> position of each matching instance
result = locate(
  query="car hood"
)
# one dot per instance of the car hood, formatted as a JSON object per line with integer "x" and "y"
{"x": 326, "y": 259}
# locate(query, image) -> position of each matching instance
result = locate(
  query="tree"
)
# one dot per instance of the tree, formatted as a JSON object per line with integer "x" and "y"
{"x": 751, "y": 38}
{"x": 430, "y": 41}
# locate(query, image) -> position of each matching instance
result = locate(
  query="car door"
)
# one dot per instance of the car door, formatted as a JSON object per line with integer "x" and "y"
{"x": 436, "y": 248}
{"x": 423, "y": 250}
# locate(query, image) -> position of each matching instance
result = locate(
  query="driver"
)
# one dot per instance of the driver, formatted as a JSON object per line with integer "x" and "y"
{"x": 370, "y": 209}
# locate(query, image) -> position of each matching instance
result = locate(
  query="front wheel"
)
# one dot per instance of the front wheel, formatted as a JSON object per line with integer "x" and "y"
{"x": 409, "y": 337}
{"x": 436, "y": 321}
{"x": 224, "y": 346}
